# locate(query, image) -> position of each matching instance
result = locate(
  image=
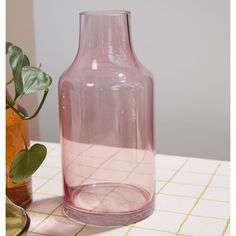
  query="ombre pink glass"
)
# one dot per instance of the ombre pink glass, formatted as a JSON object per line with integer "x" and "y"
{"x": 106, "y": 122}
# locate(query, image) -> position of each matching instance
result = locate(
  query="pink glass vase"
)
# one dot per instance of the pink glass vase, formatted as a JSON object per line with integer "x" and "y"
{"x": 106, "y": 123}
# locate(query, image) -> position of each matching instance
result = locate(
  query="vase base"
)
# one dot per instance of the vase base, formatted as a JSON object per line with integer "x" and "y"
{"x": 108, "y": 204}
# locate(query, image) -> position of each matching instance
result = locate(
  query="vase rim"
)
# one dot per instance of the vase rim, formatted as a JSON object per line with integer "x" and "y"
{"x": 105, "y": 13}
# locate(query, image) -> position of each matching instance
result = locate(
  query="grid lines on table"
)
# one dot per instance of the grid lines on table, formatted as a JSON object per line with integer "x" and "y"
{"x": 168, "y": 191}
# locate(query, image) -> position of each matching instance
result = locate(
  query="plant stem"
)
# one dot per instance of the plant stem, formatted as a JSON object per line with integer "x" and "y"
{"x": 22, "y": 116}
{"x": 11, "y": 105}
{"x": 39, "y": 107}
{"x": 10, "y": 81}
{"x": 23, "y": 137}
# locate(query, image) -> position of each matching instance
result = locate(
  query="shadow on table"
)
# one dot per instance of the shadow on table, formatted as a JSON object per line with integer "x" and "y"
{"x": 45, "y": 204}
{"x": 56, "y": 223}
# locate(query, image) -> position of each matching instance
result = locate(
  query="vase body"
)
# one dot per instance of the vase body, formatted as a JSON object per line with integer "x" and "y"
{"x": 20, "y": 193}
{"x": 17, "y": 220}
{"x": 106, "y": 126}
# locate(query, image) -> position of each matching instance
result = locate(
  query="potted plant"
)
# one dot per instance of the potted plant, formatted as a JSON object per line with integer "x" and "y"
{"x": 22, "y": 160}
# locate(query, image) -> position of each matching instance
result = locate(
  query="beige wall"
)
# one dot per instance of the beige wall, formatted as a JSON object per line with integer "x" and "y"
{"x": 20, "y": 31}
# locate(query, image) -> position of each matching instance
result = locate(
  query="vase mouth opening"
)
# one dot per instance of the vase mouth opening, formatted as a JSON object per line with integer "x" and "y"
{"x": 105, "y": 13}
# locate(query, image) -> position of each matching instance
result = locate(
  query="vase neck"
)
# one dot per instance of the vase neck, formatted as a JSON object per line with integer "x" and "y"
{"x": 105, "y": 38}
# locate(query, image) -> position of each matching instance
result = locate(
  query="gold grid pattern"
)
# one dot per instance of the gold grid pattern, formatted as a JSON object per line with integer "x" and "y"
{"x": 204, "y": 203}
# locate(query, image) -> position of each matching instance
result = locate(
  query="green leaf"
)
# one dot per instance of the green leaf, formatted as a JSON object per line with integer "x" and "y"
{"x": 26, "y": 162}
{"x": 26, "y": 61}
{"x": 8, "y": 45}
{"x": 34, "y": 79}
{"x": 17, "y": 61}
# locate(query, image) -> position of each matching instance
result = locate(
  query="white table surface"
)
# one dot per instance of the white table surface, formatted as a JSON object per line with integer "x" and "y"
{"x": 192, "y": 198}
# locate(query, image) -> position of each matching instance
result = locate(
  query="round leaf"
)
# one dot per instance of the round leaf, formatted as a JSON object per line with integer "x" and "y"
{"x": 34, "y": 79}
{"x": 26, "y": 162}
{"x": 17, "y": 61}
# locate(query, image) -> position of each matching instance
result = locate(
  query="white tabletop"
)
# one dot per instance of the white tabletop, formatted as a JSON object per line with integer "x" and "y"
{"x": 192, "y": 198}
